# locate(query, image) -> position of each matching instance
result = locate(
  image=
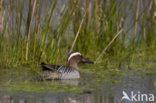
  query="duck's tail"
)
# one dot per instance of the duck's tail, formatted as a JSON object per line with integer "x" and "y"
{"x": 47, "y": 67}
{"x": 43, "y": 63}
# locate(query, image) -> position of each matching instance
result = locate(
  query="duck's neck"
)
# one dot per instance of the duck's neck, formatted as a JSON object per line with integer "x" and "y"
{"x": 73, "y": 65}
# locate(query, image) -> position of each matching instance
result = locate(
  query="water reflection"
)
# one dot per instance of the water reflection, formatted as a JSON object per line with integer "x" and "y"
{"x": 71, "y": 82}
{"x": 82, "y": 99}
{"x": 108, "y": 93}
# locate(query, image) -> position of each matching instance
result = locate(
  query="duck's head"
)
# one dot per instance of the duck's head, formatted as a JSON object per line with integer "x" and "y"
{"x": 75, "y": 58}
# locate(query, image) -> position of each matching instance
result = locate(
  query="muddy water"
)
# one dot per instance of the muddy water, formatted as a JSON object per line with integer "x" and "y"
{"x": 98, "y": 85}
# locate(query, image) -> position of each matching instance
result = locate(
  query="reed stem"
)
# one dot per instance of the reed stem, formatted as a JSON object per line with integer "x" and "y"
{"x": 77, "y": 34}
{"x": 136, "y": 18}
{"x": 1, "y": 15}
{"x": 109, "y": 45}
{"x": 31, "y": 19}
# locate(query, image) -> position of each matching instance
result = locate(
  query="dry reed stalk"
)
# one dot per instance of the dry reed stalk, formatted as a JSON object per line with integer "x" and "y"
{"x": 109, "y": 45}
{"x": 144, "y": 33}
{"x": 77, "y": 34}
{"x": 29, "y": 26}
{"x": 8, "y": 38}
{"x": 35, "y": 30}
{"x": 136, "y": 18}
{"x": 155, "y": 10}
{"x": 89, "y": 13}
{"x": 1, "y": 15}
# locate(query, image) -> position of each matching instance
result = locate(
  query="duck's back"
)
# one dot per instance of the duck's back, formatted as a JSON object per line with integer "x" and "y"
{"x": 59, "y": 72}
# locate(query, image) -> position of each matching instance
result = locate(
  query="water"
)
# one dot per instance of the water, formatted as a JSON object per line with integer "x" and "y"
{"x": 98, "y": 85}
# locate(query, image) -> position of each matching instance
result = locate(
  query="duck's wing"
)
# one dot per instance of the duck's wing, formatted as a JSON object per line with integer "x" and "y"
{"x": 67, "y": 72}
{"x": 52, "y": 68}
{"x": 65, "y": 69}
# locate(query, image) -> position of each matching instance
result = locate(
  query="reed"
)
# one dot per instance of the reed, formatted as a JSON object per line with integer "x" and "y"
{"x": 32, "y": 6}
{"x": 35, "y": 30}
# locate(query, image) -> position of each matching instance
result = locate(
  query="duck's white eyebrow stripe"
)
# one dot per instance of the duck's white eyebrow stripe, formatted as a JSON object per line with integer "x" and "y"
{"x": 74, "y": 54}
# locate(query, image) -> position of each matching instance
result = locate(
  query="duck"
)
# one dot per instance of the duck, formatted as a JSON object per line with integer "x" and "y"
{"x": 69, "y": 71}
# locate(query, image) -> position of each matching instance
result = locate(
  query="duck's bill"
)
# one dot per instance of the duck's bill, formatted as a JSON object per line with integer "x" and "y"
{"x": 84, "y": 60}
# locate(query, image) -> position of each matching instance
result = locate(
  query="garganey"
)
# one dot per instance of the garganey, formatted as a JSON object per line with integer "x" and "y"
{"x": 70, "y": 71}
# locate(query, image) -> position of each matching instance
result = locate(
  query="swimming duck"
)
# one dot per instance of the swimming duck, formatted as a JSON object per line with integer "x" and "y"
{"x": 70, "y": 71}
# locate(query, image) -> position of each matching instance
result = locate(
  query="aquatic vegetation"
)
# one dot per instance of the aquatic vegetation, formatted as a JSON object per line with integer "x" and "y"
{"x": 35, "y": 32}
